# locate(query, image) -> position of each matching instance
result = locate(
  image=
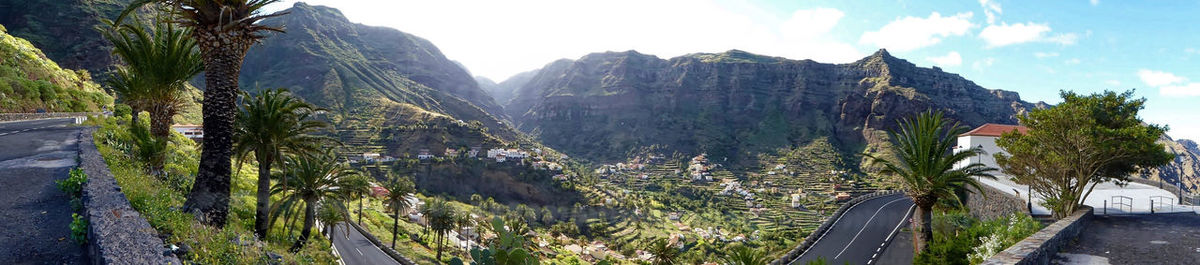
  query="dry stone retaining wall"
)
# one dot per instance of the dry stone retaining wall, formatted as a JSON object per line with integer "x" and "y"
{"x": 117, "y": 233}
{"x": 991, "y": 203}
{"x": 1041, "y": 247}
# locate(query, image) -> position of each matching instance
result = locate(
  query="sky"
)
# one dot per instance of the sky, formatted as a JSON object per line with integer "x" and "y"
{"x": 1036, "y": 48}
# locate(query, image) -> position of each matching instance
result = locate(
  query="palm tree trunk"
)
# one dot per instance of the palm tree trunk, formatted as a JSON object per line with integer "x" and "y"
{"x": 360, "y": 210}
{"x": 263, "y": 205}
{"x": 395, "y": 223}
{"x": 223, "y": 52}
{"x": 310, "y": 215}
{"x": 922, "y": 227}
{"x": 161, "y": 117}
{"x": 438, "y": 242}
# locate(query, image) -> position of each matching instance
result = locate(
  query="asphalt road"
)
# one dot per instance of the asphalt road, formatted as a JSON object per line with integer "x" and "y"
{"x": 356, "y": 249}
{"x": 861, "y": 234}
{"x": 34, "y": 214}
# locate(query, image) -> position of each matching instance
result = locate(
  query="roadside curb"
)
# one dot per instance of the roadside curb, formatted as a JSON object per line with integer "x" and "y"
{"x": 795, "y": 253}
{"x": 117, "y": 233}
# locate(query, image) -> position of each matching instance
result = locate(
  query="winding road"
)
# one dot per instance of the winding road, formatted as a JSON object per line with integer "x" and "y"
{"x": 356, "y": 249}
{"x": 34, "y": 214}
{"x": 861, "y": 234}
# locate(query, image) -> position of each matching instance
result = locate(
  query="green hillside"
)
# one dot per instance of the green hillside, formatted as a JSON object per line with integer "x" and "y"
{"x": 29, "y": 81}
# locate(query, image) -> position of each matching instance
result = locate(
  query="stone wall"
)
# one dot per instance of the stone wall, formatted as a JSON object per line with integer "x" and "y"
{"x": 1041, "y": 247}
{"x": 812, "y": 237}
{"x": 993, "y": 203}
{"x": 117, "y": 234}
{"x": 38, "y": 116}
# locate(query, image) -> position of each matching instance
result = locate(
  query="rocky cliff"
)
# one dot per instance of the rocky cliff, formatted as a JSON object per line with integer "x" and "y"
{"x": 734, "y": 104}
{"x": 63, "y": 29}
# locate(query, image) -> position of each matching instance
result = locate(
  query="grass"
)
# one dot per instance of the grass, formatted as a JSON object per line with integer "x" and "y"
{"x": 159, "y": 200}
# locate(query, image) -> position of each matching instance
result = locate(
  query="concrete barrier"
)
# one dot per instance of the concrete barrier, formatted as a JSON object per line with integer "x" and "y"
{"x": 4, "y": 117}
{"x": 117, "y": 233}
{"x": 824, "y": 227}
{"x": 1041, "y": 247}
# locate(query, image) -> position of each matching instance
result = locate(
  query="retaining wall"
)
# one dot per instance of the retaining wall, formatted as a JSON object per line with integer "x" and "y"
{"x": 38, "y": 116}
{"x": 991, "y": 203}
{"x": 117, "y": 234}
{"x": 812, "y": 237}
{"x": 1041, "y": 247}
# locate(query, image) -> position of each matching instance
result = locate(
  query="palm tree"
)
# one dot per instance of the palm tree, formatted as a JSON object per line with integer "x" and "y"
{"x": 330, "y": 213}
{"x": 315, "y": 178}
{"x": 270, "y": 125}
{"x": 398, "y": 190}
{"x": 742, "y": 255}
{"x": 925, "y": 164}
{"x": 224, "y": 30}
{"x": 442, "y": 219}
{"x": 664, "y": 253}
{"x": 159, "y": 62}
{"x": 358, "y": 187}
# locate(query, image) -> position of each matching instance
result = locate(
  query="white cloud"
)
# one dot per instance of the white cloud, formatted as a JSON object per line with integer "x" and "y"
{"x": 1191, "y": 50}
{"x": 990, "y": 9}
{"x": 981, "y": 64}
{"x": 1009, "y": 34}
{"x": 1169, "y": 84}
{"x": 1187, "y": 90}
{"x": 1072, "y": 61}
{"x": 1094, "y": 2}
{"x": 536, "y": 32}
{"x": 1041, "y": 55}
{"x": 1113, "y": 83}
{"x": 950, "y": 59}
{"x": 910, "y": 33}
{"x": 1159, "y": 78}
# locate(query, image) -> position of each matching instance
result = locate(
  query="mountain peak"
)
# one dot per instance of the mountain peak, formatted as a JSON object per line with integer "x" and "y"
{"x": 882, "y": 53}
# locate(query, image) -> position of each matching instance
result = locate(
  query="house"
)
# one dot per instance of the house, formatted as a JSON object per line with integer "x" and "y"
{"x": 369, "y": 157}
{"x": 450, "y": 152}
{"x": 500, "y": 158}
{"x": 984, "y": 138}
{"x": 191, "y": 131}
{"x": 424, "y": 154}
{"x": 796, "y": 203}
{"x": 474, "y": 151}
{"x": 842, "y": 196}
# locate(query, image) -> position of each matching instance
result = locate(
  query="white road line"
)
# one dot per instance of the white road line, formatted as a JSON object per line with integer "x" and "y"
{"x": 865, "y": 227}
{"x": 810, "y": 247}
{"x": 894, "y": 230}
{"x": 359, "y": 251}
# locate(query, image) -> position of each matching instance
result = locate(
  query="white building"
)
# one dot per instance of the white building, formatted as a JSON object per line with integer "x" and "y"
{"x": 984, "y": 138}
{"x": 191, "y": 131}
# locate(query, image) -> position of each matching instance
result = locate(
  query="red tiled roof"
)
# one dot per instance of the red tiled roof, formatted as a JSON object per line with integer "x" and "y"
{"x": 995, "y": 130}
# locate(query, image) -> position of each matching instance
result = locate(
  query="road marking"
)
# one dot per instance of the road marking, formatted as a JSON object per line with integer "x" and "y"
{"x": 359, "y": 251}
{"x": 865, "y": 227}
{"x": 894, "y": 230}
{"x": 831, "y": 227}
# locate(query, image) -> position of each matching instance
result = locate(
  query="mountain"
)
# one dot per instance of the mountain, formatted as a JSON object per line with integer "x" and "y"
{"x": 63, "y": 29}
{"x": 352, "y": 68}
{"x": 29, "y": 81}
{"x": 504, "y": 91}
{"x": 1186, "y": 167}
{"x": 735, "y": 103}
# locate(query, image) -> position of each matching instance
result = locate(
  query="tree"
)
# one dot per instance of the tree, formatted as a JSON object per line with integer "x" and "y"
{"x": 508, "y": 248}
{"x": 330, "y": 213}
{"x": 358, "y": 187}
{"x": 159, "y": 61}
{"x": 742, "y": 255}
{"x": 442, "y": 218}
{"x": 224, "y": 31}
{"x": 925, "y": 165}
{"x": 271, "y": 125}
{"x": 315, "y": 178}
{"x": 664, "y": 253}
{"x": 1082, "y": 142}
{"x": 398, "y": 190}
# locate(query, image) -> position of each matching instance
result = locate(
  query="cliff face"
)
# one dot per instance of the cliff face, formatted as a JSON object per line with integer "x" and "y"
{"x": 733, "y": 104}
{"x": 1184, "y": 170}
{"x": 63, "y": 30}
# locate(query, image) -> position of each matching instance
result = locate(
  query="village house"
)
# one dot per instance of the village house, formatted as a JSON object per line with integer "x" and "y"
{"x": 474, "y": 151}
{"x": 984, "y": 138}
{"x": 450, "y": 152}
{"x": 424, "y": 154}
{"x": 191, "y": 131}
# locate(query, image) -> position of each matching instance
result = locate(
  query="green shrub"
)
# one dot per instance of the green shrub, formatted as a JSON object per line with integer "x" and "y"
{"x": 960, "y": 239}
{"x": 79, "y": 229}
{"x": 73, "y": 185}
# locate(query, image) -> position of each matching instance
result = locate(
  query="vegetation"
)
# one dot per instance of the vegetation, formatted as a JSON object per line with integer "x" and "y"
{"x": 79, "y": 229}
{"x": 271, "y": 125}
{"x": 30, "y": 82}
{"x": 73, "y": 185}
{"x": 1084, "y": 141}
{"x": 315, "y": 178}
{"x": 159, "y": 60}
{"x": 742, "y": 255}
{"x": 399, "y": 189}
{"x": 224, "y": 30}
{"x": 509, "y": 248}
{"x": 961, "y": 239}
{"x": 158, "y": 199}
{"x": 925, "y": 167}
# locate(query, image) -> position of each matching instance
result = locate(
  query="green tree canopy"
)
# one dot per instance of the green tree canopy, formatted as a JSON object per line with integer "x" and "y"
{"x": 1086, "y": 140}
